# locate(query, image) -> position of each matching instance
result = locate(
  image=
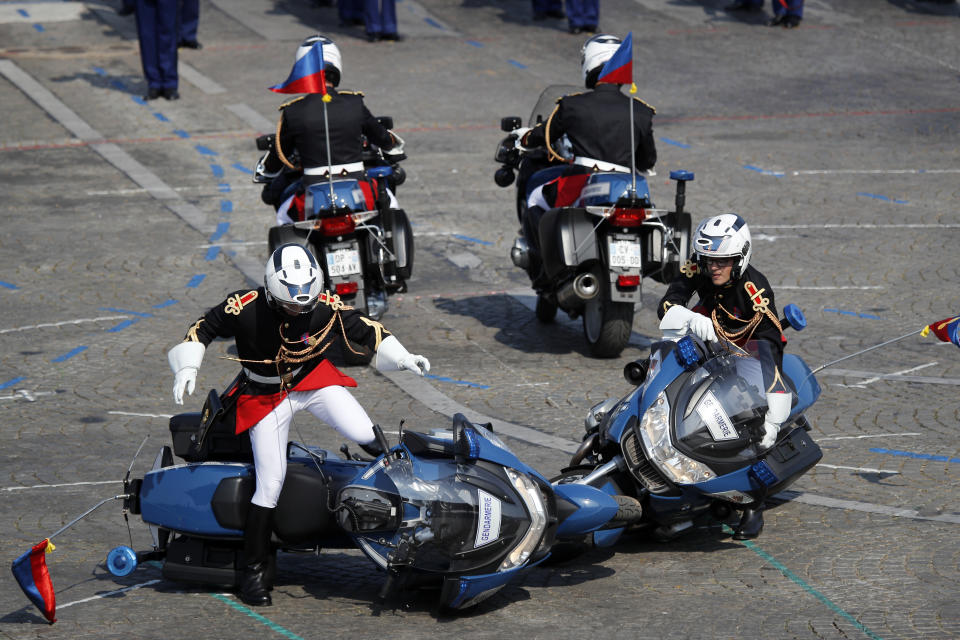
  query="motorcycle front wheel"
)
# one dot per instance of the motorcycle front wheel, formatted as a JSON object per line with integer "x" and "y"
{"x": 607, "y": 325}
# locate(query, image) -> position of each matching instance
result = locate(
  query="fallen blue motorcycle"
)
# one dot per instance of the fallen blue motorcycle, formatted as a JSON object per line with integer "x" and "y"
{"x": 685, "y": 441}
{"x": 453, "y": 509}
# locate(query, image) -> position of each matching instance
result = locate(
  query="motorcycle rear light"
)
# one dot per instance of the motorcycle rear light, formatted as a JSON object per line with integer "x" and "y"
{"x": 687, "y": 354}
{"x": 763, "y": 474}
{"x": 628, "y": 281}
{"x": 627, "y": 217}
{"x": 347, "y": 288}
{"x": 338, "y": 226}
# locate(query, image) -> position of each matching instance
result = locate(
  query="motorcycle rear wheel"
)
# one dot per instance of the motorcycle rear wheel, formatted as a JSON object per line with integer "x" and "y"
{"x": 607, "y": 325}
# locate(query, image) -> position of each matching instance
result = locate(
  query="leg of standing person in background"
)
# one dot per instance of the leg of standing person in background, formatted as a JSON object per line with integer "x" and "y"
{"x": 543, "y": 9}
{"x": 752, "y": 6}
{"x": 166, "y": 36}
{"x": 590, "y": 15}
{"x": 388, "y": 20}
{"x": 127, "y": 7}
{"x": 575, "y": 11}
{"x": 189, "y": 16}
{"x": 794, "y": 14}
{"x": 350, "y": 12}
{"x": 146, "y": 15}
{"x": 371, "y": 17}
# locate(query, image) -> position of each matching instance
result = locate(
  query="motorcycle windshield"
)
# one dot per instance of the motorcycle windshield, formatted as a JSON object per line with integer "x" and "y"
{"x": 721, "y": 405}
{"x": 469, "y": 517}
{"x": 548, "y": 100}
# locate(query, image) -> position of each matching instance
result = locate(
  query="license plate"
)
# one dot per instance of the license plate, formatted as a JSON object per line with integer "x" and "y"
{"x": 625, "y": 253}
{"x": 343, "y": 262}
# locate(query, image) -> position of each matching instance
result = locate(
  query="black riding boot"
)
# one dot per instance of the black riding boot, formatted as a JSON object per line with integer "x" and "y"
{"x": 751, "y": 524}
{"x": 255, "y": 585}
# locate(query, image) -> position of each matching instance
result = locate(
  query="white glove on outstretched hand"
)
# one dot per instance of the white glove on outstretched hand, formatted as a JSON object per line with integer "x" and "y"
{"x": 393, "y": 356}
{"x": 678, "y": 319}
{"x": 778, "y": 410}
{"x": 185, "y": 359}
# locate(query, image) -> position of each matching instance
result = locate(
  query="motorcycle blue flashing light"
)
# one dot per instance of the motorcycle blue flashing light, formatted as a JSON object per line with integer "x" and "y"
{"x": 794, "y": 317}
{"x": 763, "y": 474}
{"x": 379, "y": 172}
{"x": 121, "y": 561}
{"x": 472, "y": 441}
{"x": 687, "y": 354}
{"x": 681, "y": 176}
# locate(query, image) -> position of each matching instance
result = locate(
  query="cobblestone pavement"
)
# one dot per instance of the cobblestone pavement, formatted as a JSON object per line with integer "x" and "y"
{"x": 124, "y": 220}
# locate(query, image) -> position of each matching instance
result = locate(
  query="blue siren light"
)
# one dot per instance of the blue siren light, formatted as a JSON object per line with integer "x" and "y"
{"x": 763, "y": 474}
{"x": 687, "y": 353}
{"x": 795, "y": 317}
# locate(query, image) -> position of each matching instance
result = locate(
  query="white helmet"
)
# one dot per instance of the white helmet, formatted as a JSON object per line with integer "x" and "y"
{"x": 293, "y": 280}
{"x": 723, "y": 236}
{"x": 332, "y": 62}
{"x": 594, "y": 53}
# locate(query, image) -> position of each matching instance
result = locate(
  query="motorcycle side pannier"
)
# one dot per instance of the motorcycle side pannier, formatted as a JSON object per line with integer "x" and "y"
{"x": 562, "y": 233}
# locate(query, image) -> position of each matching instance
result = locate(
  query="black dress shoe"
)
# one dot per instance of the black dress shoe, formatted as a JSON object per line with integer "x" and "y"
{"x": 153, "y": 94}
{"x": 537, "y": 17}
{"x": 590, "y": 28}
{"x": 751, "y": 524}
{"x": 791, "y": 22}
{"x": 394, "y": 37}
{"x": 189, "y": 44}
{"x": 778, "y": 21}
{"x": 741, "y": 5}
{"x": 373, "y": 37}
{"x": 575, "y": 30}
{"x": 171, "y": 94}
{"x": 125, "y": 11}
{"x": 556, "y": 13}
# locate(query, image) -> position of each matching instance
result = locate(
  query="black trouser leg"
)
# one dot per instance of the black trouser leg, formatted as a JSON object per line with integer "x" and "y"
{"x": 255, "y": 587}
{"x": 531, "y": 231}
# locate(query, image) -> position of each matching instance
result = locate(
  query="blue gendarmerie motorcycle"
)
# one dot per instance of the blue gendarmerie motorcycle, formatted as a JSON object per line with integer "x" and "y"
{"x": 684, "y": 442}
{"x": 594, "y": 255}
{"x": 454, "y": 509}
{"x": 366, "y": 253}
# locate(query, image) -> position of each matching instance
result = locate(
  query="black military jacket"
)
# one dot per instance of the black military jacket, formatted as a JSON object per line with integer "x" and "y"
{"x": 302, "y": 128}
{"x": 736, "y": 302}
{"x": 597, "y": 123}
{"x": 273, "y": 343}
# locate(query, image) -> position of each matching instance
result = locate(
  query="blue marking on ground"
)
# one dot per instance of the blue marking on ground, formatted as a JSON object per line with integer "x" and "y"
{"x": 220, "y": 231}
{"x": 196, "y": 280}
{"x": 226, "y": 206}
{"x": 39, "y": 27}
{"x": 212, "y": 253}
{"x": 224, "y": 187}
{"x": 474, "y": 43}
{"x": 138, "y": 100}
{"x": 100, "y": 71}
{"x": 123, "y": 325}
{"x": 23, "y": 12}
{"x": 8, "y": 285}
{"x": 133, "y": 313}
{"x": 919, "y": 456}
{"x": 469, "y": 239}
{"x": 766, "y": 172}
{"x": 675, "y": 143}
{"x": 217, "y": 170}
{"x": 843, "y": 312}
{"x": 240, "y": 167}
{"x": 518, "y": 65}
{"x": 11, "y": 382}
{"x": 118, "y": 84}
{"x": 433, "y": 23}
{"x": 207, "y": 151}
{"x": 165, "y": 303}
{"x": 181, "y": 133}
{"x": 69, "y": 354}
{"x": 877, "y": 196}
{"x": 462, "y": 383}
{"x": 161, "y": 117}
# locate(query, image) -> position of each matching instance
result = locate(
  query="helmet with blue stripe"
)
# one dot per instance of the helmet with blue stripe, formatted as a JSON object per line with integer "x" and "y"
{"x": 724, "y": 236}
{"x": 293, "y": 280}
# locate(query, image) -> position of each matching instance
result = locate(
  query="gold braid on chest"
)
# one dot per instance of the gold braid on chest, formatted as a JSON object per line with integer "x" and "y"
{"x": 761, "y": 310}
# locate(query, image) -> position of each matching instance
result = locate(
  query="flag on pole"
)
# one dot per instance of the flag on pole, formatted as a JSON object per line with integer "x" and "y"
{"x": 947, "y": 330}
{"x": 31, "y": 573}
{"x": 619, "y": 68}
{"x": 307, "y": 75}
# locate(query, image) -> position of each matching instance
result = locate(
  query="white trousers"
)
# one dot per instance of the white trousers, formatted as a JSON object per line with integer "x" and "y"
{"x": 334, "y": 405}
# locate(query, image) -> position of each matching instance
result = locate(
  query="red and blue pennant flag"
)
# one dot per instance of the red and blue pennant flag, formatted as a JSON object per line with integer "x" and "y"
{"x": 619, "y": 68}
{"x": 31, "y": 573}
{"x": 307, "y": 75}
{"x": 947, "y": 330}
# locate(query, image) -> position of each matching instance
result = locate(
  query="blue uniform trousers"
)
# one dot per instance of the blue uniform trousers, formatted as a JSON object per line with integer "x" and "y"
{"x": 349, "y": 11}
{"x": 380, "y": 16}
{"x": 189, "y": 19}
{"x": 781, "y": 7}
{"x": 157, "y": 30}
{"x": 542, "y": 7}
{"x": 583, "y": 13}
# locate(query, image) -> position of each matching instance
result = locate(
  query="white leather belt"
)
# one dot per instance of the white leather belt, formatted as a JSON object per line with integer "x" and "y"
{"x": 600, "y": 165}
{"x": 256, "y": 377}
{"x": 350, "y": 167}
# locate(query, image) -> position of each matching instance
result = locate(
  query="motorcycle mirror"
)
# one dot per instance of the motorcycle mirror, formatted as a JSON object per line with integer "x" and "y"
{"x": 385, "y": 121}
{"x": 793, "y": 317}
{"x": 636, "y": 372}
{"x": 510, "y": 123}
{"x": 503, "y": 177}
{"x": 399, "y": 175}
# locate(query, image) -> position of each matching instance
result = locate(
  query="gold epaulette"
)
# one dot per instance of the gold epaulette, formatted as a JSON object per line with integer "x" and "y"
{"x": 689, "y": 268}
{"x": 350, "y": 93}
{"x": 289, "y": 102}
{"x": 333, "y": 301}
{"x": 648, "y": 106}
{"x": 235, "y": 303}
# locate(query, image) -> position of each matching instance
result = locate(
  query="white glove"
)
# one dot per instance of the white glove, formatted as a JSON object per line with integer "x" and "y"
{"x": 519, "y": 133}
{"x": 678, "y": 320}
{"x": 185, "y": 359}
{"x": 397, "y": 147}
{"x": 778, "y": 410}
{"x": 393, "y": 356}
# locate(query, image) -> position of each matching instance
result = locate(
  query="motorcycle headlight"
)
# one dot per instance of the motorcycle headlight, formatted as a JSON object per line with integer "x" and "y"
{"x": 655, "y": 432}
{"x": 533, "y": 501}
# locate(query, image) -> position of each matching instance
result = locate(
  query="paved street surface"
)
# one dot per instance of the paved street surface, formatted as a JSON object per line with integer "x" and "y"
{"x": 123, "y": 220}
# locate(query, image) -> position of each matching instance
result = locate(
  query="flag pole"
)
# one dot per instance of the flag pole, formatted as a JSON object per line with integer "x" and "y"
{"x": 633, "y": 145}
{"x": 326, "y": 136}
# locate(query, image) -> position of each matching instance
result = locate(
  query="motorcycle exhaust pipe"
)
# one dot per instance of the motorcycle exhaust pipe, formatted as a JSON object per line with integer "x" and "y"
{"x": 573, "y": 294}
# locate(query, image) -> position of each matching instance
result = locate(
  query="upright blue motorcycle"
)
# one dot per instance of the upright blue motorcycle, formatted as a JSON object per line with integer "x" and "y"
{"x": 685, "y": 441}
{"x": 453, "y": 509}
